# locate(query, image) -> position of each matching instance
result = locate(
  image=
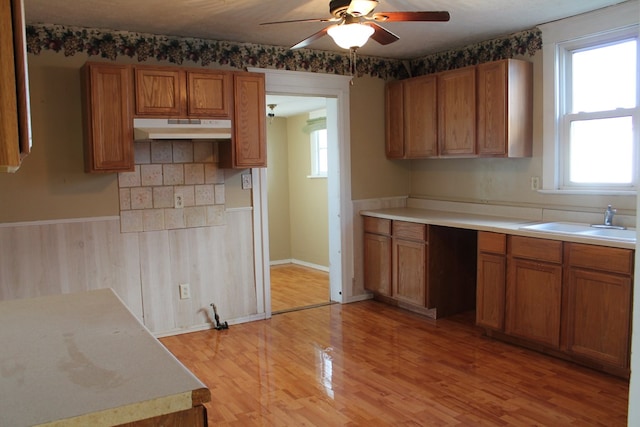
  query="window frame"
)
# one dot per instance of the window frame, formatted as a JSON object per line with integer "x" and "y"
{"x": 315, "y": 153}
{"x": 583, "y": 31}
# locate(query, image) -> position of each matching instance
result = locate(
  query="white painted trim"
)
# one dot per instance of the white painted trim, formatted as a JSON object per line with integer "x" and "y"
{"x": 260, "y": 250}
{"x": 336, "y": 89}
{"x": 59, "y": 221}
{"x": 600, "y": 21}
{"x": 207, "y": 326}
{"x": 299, "y": 262}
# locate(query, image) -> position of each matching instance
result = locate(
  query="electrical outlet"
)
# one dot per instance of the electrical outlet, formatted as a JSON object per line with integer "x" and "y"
{"x": 535, "y": 183}
{"x": 246, "y": 181}
{"x": 185, "y": 291}
{"x": 178, "y": 201}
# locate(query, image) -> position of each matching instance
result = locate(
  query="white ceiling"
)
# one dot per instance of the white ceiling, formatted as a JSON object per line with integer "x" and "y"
{"x": 239, "y": 20}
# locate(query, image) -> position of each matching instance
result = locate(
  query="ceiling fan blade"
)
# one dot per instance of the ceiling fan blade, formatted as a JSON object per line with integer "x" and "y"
{"x": 306, "y": 42}
{"x": 361, "y": 7}
{"x": 382, "y": 35}
{"x": 302, "y": 20}
{"x": 410, "y": 16}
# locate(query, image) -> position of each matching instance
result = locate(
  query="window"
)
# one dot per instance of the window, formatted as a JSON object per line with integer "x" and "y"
{"x": 591, "y": 103}
{"x": 319, "y": 159}
{"x": 598, "y": 101}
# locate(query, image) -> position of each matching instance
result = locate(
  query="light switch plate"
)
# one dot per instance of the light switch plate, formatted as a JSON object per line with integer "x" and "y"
{"x": 246, "y": 181}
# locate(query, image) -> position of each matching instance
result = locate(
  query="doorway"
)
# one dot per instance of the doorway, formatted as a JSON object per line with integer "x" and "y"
{"x": 297, "y": 199}
{"x": 336, "y": 90}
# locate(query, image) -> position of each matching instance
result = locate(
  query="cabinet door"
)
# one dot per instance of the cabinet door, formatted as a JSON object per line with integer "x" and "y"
{"x": 377, "y": 263}
{"x": 209, "y": 94}
{"x": 248, "y": 149}
{"x": 15, "y": 116}
{"x": 599, "y": 316}
{"x": 492, "y": 108}
{"x": 457, "y": 112}
{"x": 108, "y": 123}
{"x": 490, "y": 290}
{"x": 159, "y": 92}
{"x": 409, "y": 278}
{"x": 394, "y": 120}
{"x": 505, "y": 108}
{"x": 534, "y": 294}
{"x": 420, "y": 117}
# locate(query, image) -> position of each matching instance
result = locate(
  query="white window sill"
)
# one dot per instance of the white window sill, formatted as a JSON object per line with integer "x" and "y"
{"x": 590, "y": 192}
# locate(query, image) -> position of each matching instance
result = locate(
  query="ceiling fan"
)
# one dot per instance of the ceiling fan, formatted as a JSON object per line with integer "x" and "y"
{"x": 354, "y": 21}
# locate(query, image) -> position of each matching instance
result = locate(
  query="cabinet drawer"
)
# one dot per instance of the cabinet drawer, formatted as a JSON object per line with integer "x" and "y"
{"x": 377, "y": 225}
{"x": 492, "y": 242}
{"x": 537, "y": 249}
{"x": 616, "y": 260}
{"x": 409, "y": 230}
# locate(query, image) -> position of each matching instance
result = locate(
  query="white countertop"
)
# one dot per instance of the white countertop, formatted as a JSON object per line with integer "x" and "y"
{"x": 495, "y": 224}
{"x": 84, "y": 359}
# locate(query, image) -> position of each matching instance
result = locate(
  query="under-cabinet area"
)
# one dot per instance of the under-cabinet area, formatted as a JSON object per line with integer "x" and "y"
{"x": 561, "y": 297}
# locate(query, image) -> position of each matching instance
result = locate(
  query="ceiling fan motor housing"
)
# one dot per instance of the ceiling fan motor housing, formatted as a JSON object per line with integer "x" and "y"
{"x": 338, "y": 7}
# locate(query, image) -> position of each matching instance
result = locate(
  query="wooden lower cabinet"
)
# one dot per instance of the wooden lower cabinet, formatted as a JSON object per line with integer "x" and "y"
{"x": 534, "y": 295}
{"x": 410, "y": 252}
{"x": 377, "y": 255}
{"x": 598, "y": 304}
{"x": 571, "y": 300}
{"x": 424, "y": 268}
{"x": 491, "y": 280}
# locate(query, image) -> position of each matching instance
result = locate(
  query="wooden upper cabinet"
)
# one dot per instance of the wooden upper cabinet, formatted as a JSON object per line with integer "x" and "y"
{"x": 209, "y": 94}
{"x": 108, "y": 122}
{"x": 420, "y": 117}
{"x": 15, "y": 121}
{"x": 411, "y": 118}
{"x": 248, "y": 148}
{"x": 159, "y": 92}
{"x": 457, "y": 112}
{"x": 505, "y": 108}
{"x": 173, "y": 92}
{"x": 394, "y": 120}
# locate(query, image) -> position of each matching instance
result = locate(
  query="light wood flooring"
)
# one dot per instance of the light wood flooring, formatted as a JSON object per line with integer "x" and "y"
{"x": 295, "y": 286}
{"x": 369, "y": 364}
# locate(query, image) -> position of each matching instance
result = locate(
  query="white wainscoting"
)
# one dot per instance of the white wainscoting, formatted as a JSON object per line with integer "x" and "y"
{"x": 145, "y": 269}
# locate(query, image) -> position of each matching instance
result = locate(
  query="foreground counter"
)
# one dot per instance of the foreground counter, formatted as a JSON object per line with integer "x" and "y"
{"x": 85, "y": 360}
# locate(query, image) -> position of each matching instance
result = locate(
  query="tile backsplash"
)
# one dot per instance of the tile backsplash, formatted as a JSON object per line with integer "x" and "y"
{"x": 176, "y": 184}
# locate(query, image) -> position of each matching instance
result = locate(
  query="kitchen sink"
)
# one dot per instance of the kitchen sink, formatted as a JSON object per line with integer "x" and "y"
{"x": 573, "y": 228}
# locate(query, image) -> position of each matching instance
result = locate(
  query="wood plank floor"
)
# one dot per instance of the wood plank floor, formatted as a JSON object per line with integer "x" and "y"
{"x": 295, "y": 286}
{"x": 370, "y": 364}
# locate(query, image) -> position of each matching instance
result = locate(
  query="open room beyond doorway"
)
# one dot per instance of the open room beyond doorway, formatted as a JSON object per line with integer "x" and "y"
{"x": 297, "y": 195}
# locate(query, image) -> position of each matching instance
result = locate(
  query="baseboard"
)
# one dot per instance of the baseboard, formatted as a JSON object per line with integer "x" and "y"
{"x": 357, "y": 298}
{"x": 207, "y": 326}
{"x": 301, "y": 263}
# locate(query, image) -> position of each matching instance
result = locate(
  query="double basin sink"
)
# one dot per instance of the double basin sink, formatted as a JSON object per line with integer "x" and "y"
{"x": 570, "y": 228}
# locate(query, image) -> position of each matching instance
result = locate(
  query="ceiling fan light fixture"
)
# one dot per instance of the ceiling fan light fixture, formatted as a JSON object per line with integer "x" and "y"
{"x": 349, "y": 36}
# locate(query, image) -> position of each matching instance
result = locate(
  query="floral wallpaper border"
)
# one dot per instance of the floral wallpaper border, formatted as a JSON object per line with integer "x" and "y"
{"x": 111, "y": 44}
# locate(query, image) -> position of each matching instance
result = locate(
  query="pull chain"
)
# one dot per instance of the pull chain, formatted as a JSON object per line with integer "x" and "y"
{"x": 352, "y": 63}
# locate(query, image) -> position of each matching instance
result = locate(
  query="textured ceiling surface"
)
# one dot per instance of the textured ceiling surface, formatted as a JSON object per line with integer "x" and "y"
{"x": 239, "y": 20}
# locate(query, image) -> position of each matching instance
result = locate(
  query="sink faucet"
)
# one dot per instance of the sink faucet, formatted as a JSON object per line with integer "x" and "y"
{"x": 608, "y": 215}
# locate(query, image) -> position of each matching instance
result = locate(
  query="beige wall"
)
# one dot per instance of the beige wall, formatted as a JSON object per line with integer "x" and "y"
{"x": 298, "y": 211}
{"x": 308, "y": 199}
{"x": 278, "y": 190}
{"x": 51, "y": 183}
{"x": 372, "y": 174}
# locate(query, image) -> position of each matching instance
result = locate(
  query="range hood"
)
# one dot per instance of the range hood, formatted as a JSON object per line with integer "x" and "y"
{"x": 181, "y": 129}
